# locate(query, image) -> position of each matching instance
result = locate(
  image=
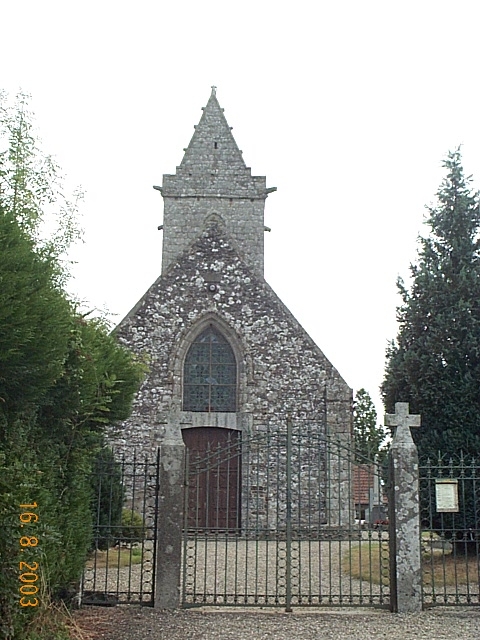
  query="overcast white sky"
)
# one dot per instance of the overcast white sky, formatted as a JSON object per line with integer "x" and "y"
{"x": 347, "y": 107}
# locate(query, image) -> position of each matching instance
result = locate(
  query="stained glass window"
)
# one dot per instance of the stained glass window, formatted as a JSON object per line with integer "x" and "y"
{"x": 210, "y": 374}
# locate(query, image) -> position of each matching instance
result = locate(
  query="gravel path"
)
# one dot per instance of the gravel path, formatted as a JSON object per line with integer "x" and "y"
{"x": 134, "y": 623}
{"x": 220, "y": 571}
{"x": 236, "y": 571}
{"x": 129, "y": 622}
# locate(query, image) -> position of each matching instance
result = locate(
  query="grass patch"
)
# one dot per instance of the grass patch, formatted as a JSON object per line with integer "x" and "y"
{"x": 370, "y": 563}
{"x": 117, "y": 557}
{"x": 53, "y": 621}
{"x": 449, "y": 570}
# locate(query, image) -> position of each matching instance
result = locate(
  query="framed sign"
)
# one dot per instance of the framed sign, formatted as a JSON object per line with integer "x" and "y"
{"x": 446, "y": 494}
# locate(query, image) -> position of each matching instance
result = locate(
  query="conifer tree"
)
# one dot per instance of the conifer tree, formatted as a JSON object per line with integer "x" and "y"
{"x": 368, "y": 435}
{"x": 434, "y": 364}
{"x": 35, "y": 319}
{"x": 63, "y": 379}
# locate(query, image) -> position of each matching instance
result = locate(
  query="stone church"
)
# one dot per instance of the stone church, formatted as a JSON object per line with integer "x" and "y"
{"x": 226, "y": 358}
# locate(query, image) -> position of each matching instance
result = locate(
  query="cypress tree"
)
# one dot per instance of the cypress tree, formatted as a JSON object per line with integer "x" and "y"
{"x": 434, "y": 364}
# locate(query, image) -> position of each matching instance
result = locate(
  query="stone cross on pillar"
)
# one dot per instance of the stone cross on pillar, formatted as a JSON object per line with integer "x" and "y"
{"x": 404, "y": 514}
{"x": 403, "y": 420}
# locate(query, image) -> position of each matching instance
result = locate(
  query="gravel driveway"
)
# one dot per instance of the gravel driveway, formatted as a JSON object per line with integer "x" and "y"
{"x": 131, "y": 622}
{"x": 220, "y": 571}
{"x": 134, "y": 623}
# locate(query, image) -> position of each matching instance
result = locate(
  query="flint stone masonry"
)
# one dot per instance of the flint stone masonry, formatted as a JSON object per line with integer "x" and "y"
{"x": 280, "y": 369}
{"x": 212, "y": 274}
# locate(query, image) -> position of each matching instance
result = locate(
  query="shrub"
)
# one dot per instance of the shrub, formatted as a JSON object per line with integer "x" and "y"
{"x": 133, "y": 527}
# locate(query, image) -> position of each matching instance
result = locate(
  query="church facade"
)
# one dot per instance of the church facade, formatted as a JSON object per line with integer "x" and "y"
{"x": 226, "y": 359}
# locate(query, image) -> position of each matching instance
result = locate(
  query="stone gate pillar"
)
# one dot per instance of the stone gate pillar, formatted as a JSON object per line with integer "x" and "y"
{"x": 404, "y": 514}
{"x": 170, "y": 527}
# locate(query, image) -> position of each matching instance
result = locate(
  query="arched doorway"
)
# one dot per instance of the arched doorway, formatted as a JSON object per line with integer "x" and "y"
{"x": 214, "y": 477}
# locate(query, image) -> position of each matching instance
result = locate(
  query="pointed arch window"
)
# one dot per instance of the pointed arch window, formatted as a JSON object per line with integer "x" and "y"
{"x": 210, "y": 374}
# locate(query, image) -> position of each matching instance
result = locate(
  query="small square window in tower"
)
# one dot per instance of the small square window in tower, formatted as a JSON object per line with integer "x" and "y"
{"x": 210, "y": 374}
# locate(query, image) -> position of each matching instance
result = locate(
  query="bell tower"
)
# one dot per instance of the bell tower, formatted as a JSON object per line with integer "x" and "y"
{"x": 213, "y": 180}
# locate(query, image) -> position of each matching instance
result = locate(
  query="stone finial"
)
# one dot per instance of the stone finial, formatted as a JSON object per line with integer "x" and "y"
{"x": 403, "y": 420}
{"x": 214, "y": 90}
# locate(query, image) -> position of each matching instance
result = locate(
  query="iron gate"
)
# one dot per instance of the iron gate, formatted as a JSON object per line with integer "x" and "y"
{"x": 121, "y": 565}
{"x": 451, "y": 538}
{"x": 276, "y": 520}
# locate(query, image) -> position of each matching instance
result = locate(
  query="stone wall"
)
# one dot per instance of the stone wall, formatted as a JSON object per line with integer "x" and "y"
{"x": 212, "y": 273}
{"x": 280, "y": 369}
{"x": 281, "y": 372}
{"x": 243, "y": 217}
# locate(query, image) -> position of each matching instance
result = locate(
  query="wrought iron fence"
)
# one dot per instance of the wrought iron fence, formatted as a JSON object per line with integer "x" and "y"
{"x": 450, "y": 519}
{"x": 121, "y": 565}
{"x": 273, "y": 520}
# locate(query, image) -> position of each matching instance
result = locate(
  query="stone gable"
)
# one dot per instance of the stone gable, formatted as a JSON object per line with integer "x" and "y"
{"x": 212, "y": 284}
{"x": 280, "y": 369}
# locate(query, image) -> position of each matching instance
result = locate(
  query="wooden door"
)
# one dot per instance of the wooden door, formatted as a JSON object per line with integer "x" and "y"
{"x": 214, "y": 478}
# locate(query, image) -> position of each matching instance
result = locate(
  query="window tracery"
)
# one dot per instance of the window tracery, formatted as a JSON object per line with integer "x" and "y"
{"x": 210, "y": 374}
